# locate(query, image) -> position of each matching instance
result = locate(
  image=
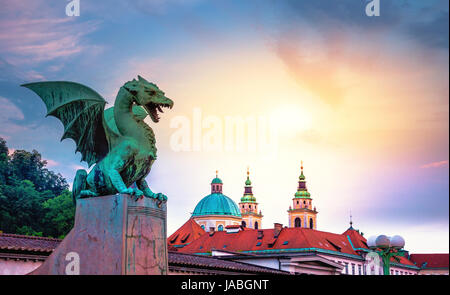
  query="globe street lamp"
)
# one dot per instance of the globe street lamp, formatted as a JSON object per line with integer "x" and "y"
{"x": 386, "y": 247}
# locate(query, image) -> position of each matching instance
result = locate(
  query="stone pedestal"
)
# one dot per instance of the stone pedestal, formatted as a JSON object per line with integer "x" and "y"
{"x": 113, "y": 235}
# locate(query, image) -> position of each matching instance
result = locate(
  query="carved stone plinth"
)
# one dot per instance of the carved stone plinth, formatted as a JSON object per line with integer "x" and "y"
{"x": 113, "y": 235}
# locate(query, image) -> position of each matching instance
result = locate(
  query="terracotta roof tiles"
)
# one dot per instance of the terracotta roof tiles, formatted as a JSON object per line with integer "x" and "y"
{"x": 27, "y": 243}
{"x": 436, "y": 260}
{"x": 187, "y": 233}
{"x": 208, "y": 262}
{"x": 288, "y": 239}
{"x": 180, "y": 261}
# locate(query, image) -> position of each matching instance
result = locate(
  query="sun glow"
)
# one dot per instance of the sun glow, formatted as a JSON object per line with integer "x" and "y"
{"x": 290, "y": 119}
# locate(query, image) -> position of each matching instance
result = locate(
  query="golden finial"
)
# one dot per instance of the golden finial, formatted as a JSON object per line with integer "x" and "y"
{"x": 217, "y": 173}
{"x": 248, "y": 171}
{"x": 301, "y": 165}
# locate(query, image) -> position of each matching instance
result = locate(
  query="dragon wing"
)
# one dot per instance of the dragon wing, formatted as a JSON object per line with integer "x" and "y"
{"x": 80, "y": 109}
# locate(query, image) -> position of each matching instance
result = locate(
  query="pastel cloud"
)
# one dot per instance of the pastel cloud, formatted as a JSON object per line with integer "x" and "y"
{"x": 338, "y": 53}
{"x": 51, "y": 163}
{"x": 435, "y": 164}
{"x": 40, "y": 33}
{"x": 9, "y": 117}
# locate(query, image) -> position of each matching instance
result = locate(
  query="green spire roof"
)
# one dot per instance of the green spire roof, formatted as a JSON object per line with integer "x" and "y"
{"x": 217, "y": 179}
{"x": 248, "y": 182}
{"x": 248, "y": 199}
{"x": 301, "y": 177}
{"x": 302, "y": 194}
{"x": 248, "y": 193}
{"x": 302, "y": 191}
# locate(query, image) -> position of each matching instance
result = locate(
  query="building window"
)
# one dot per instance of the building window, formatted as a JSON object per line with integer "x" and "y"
{"x": 220, "y": 228}
{"x": 297, "y": 202}
{"x": 203, "y": 226}
{"x": 359, "y": 269}
{"x": 346, "y": 268}
{"x": 298, "y": 222}
{"x": 311, "y": 223}
{"x": 353, "y": 269}
{"x": 256, "y": 224}
{"x": 244, "y": 224}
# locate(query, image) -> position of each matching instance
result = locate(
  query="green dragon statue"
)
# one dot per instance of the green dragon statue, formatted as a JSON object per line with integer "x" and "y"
{"x": 116, "y": 140}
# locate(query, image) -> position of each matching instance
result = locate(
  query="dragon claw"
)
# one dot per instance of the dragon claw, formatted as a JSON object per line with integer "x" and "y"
{"x": 87, "y": 194}
{"x": 133, "y": 192}
{"x": 161, "y": 197}
{"x": 158, "y": 196}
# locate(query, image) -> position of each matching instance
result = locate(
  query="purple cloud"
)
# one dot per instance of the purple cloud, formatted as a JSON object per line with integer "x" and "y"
{"x": 435, "y": 164}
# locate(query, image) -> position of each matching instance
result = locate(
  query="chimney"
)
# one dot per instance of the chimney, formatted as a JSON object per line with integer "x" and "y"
{"x": 277, "y": 228}
{"x": 231, "y": 229}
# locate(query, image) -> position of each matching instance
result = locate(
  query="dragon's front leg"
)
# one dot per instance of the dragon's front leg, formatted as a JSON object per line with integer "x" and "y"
{"x": 142, "y": 184}
{"x": 119, "y": 162}
{"x": 118, "y": 183}
{"x": 120, "y": 186}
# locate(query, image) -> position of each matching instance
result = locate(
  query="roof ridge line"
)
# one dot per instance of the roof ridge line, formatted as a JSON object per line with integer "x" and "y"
{"x": 29, "y": 237}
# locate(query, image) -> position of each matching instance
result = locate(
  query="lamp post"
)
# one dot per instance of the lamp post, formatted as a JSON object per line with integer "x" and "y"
{"x": 386, "y": 247}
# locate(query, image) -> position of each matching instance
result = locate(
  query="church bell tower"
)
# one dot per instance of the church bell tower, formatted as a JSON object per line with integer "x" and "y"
{"x": 302, "y": 213}
{"x": 251, "y": 218}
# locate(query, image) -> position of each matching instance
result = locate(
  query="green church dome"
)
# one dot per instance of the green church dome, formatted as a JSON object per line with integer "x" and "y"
{"x": 216, "y": 204}
{"x": 216, "y": 180}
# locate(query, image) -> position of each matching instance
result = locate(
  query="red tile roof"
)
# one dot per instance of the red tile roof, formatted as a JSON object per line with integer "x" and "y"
{"x": 27, "y": 243}
{"x": 187, "y": 233}
{"x": 177, "y": 261}
{"x": 358, "y": 241}
{"x": 436, "y": 260}
{"x": 402, "y": 260}
{"x": 212, "y": 263}
{"x": 288, "y": 238}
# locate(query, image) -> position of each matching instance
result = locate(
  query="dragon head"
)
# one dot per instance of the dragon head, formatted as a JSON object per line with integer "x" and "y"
{"x": 149, "y": 96}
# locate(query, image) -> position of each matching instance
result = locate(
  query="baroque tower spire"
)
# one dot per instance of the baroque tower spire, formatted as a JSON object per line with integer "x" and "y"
{"x": 249, "y": 207}
{"x": 302, "y": 213}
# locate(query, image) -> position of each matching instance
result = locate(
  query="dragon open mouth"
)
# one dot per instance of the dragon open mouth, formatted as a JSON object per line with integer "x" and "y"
{"x": 154, "y": 108}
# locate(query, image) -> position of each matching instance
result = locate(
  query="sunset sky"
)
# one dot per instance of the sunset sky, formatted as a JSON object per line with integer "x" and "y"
{"x": 363, "y": 101}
